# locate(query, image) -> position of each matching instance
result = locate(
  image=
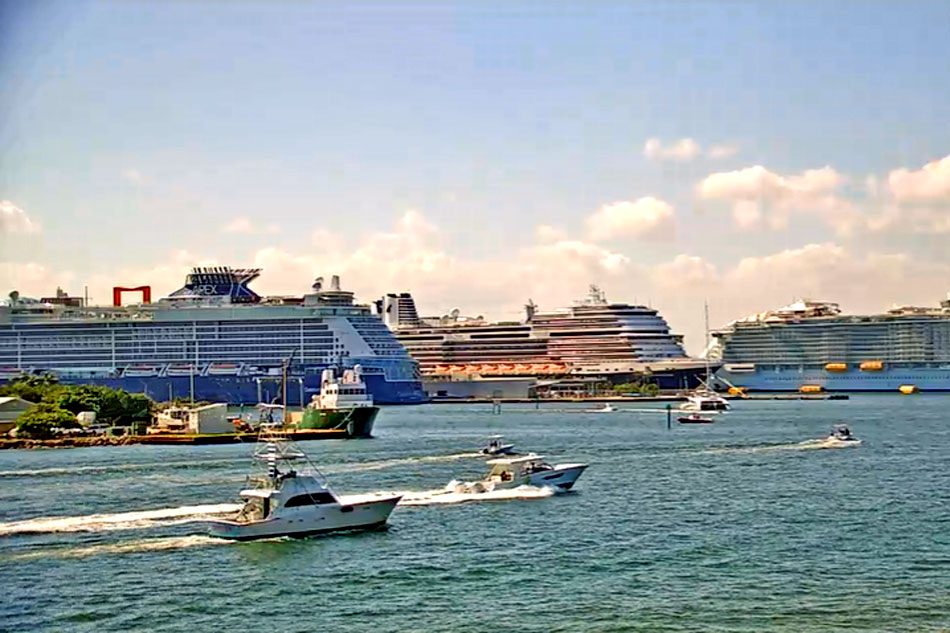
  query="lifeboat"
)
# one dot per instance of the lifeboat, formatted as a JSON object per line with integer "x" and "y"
{"x": 554, "y": 367}
{"x": 456, "y": 368}
{"x": 836, "y": 367}
{"x": 872, "y": 365}
{"x": 224, "y": 369}
{"x": 811, "y": 389}
{"x": 506, "y": 369}
{"x": 908, "y": 389}
{"x": 736, "y": 391}
{"x": 521, "y": 369}
{"x": 472, "y": 368}
{"x": 539, "y": 369}
{"x": 441, "y": 369}
{"x": 178, "y": 369}
{"x": 489, "y": 369}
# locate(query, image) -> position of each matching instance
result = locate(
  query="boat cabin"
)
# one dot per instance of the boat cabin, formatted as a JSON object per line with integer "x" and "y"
{"x": 283, "y": 494}
{"x": 515, "y": 468}
{"x": 346, "y": 392}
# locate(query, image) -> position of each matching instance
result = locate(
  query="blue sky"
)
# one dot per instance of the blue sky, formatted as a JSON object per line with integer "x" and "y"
{"x": 133, "y": 133}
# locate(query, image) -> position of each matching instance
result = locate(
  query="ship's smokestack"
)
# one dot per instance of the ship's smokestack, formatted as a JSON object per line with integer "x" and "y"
{"x": 335, "y": 282}
{"x": 318, "y": 284}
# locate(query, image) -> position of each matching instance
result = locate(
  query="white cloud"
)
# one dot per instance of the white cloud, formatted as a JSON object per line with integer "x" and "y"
{"x": 646, "y": 217}
{"x": 931, "y": 183}
{"x": 682, "y": 150}
{"x": 133, "y": 176}
{"x": 685, "y": 271}
{"x": 13, "y": 219}
{"x": 247, "y": 227}
{"x": 757, "y": 194}
{"x": 722, "y": 151}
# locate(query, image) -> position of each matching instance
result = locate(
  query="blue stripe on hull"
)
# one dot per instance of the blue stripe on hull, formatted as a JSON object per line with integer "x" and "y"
{"x": 792, "y": 379}
{"x": 244, "y": 389}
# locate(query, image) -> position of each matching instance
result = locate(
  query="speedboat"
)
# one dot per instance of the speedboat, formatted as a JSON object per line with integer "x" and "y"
{"x": 694, "y": 418}
{"x": 285, "y": 501}
{"x": 841, "y": 433}
{"x": 496, "y": 448}
{"x": 528, "y": 470}
{"x": 607, "y": 408}
{"x": 705, "y": 400}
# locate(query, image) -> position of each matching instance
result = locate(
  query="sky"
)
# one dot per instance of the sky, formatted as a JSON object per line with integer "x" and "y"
{"x": 478, "y": 154}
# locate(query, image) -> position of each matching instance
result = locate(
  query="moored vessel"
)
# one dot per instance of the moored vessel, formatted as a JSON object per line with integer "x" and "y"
{"x": 342, "y": 404}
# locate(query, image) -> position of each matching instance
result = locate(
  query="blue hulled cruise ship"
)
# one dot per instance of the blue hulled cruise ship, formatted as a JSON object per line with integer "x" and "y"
{"x": 812, "y": 346}
{"x": 214, "y": 338}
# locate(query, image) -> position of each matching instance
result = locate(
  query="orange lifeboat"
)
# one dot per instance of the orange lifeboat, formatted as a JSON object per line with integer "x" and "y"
{"x": 506, "y": 369}
{"x": 441, "y": 369}
{"x": 489, "y": 369}
{"x": 872, "y": 365}
{"x": 456, "y": 368}
{"x": 521, "y": 369}
{"x": 472, "y": 368}
{"x": 811, "y": 388}
{"x": 836, "y": 367}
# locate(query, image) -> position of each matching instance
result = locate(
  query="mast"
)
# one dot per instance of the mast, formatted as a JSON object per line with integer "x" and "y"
{"x": 706, "y": 341}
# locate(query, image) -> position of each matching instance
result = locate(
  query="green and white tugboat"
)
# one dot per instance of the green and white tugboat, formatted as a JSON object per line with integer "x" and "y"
{"x": 343, "y": 404}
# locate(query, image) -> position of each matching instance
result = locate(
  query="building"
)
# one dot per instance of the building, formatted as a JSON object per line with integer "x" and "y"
{"x": 206, "y": 419}
{"x": 11, "y": 408}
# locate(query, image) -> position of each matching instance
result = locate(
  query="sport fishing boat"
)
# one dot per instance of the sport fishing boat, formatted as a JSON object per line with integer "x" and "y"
{"x": 694, "y": 418}
{"x": 343, "y": 403}
{"x": 283, "y": 501}
{"x": 841, "y": 433}
{"x": 529, "y": 470}
{"x": 495, "y": 447}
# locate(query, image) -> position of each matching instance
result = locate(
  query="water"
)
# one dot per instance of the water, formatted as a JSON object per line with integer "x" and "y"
{"x": 735, "y": 526}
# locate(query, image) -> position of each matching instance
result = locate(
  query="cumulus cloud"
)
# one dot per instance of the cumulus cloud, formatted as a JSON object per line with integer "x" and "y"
{"x": 546, "y": 233}
{"x": 645, "y": 218}
{"x": 685, "y": 271}
{"x": 758, "y": 194}
{"x": 682, "y": 150}
{"x": 14, "y": 220}
{"x": 246, "y": 226}
{"x": 931, "y": 183}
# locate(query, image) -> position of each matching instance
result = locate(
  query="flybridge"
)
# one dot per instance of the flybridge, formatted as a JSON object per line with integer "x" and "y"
{"x": 222, "y": 282}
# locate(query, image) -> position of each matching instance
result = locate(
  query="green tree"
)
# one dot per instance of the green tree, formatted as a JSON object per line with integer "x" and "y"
{"x": 43, "y": 421}
{"x": 32, "y": 388}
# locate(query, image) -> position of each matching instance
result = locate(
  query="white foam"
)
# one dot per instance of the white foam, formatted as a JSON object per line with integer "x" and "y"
{"x": 127, "y": 547}
{"x": 807, "y": 445}
{"x": 121, "y": 521}
{"x": 390, "y": 463}
{"x": 453, "y": 493}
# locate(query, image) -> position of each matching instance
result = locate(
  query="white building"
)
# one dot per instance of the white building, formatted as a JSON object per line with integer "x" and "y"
{"x": 210, "y": 418}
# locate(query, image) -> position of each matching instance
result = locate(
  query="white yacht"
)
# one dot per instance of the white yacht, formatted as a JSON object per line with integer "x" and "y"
{"x": 496, "y": 448}
{"x": 528, "y": 470}
{"x": 607, "y": 408}
{"x": 705, "y": 400}
{"x": 283, "y": 501}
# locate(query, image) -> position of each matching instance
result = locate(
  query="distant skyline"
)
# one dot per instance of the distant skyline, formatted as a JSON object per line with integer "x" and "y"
{"x": 480, "y": 154}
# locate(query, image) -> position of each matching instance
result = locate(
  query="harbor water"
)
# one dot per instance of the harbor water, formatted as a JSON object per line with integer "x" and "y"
{"x": 742, "y": 525}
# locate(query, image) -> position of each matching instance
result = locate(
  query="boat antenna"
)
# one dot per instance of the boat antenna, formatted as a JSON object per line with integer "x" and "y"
{"x": 285, "y": 366}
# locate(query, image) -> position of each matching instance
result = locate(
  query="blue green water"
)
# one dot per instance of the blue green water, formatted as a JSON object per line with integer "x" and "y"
{"x": 729, "y": 527}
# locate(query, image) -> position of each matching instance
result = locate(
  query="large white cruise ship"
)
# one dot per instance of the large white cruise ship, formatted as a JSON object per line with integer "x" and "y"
{"x": 811, "y": 345}
{"x": 214, "y": 339}
{"x": 593, "y": 338}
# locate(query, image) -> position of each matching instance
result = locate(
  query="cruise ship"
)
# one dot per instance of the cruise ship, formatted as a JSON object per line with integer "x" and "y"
{"x": 812, "y": 346}
{"x": 213, "y": 339}
{"x": 593, "y": 338}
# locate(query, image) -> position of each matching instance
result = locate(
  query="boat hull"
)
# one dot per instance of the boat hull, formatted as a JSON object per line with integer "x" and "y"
{"x": 357, "y": 422}
{"x": 247, "y": 390}
{"x": 364, "y": 515}
{"x": 562, "y": 477}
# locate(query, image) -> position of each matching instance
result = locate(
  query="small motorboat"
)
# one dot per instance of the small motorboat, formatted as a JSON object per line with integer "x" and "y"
{"x": 496, "y": 448}
{"x": 694, "y": 418}
{"x": 283, "y": 501}
{"x": 607, "y": 408}
{"x": 529, "y": 470}
{"x": 841, "y": 433}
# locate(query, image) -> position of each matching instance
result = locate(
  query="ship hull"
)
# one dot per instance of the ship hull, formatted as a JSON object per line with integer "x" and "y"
{"x": 249, "y": 390}
{"x": 357, "y": 422}
{"x": 793, "y": 378}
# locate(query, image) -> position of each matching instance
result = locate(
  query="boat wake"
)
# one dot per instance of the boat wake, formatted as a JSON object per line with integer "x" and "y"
{"x": 126, "y": 547}
{"x": 458, "y": 492}
{"x": 807, "y": 445}
{"x": 121, "y": 521}
{"x": 392, "y": 463}
{"x": 107, "y": 468}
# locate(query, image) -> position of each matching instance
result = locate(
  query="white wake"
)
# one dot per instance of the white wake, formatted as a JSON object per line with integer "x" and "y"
{"x": 121, "y": 521}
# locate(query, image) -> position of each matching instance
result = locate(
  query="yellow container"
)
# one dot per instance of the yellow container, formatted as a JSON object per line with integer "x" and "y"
{"x": 908, "y": 389}
{"x": 736, "y": 391}
{"x": 872, "y": 365}
{"x": 811, "y": 388}
{"x": 836, "y": 367}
